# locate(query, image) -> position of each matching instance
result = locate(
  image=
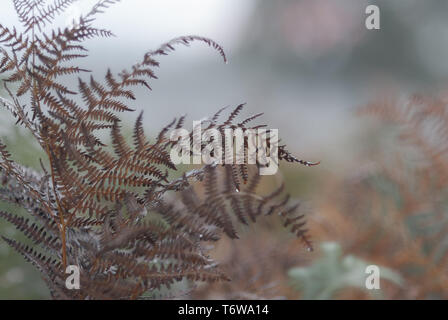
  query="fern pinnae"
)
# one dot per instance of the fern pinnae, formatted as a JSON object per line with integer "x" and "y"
{"x": 107, "y": 210}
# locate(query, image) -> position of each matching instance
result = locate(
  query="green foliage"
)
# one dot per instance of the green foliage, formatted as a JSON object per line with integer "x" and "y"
{"x": 333, "y": 272}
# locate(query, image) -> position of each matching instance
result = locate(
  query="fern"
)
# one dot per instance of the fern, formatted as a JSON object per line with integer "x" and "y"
{"x": 113, "y": 212}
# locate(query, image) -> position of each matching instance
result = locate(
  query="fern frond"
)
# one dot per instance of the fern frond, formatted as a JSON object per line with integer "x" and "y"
{"x": 114, "y": 210}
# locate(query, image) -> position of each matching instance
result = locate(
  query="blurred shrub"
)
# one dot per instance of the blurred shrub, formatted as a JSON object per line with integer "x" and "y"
{"x": 264, "y": 257}
{"x": 392, "y": 210}
{"x": 334, "y": 272}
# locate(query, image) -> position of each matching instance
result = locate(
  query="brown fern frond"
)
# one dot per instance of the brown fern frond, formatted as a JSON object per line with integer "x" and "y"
{"x": 33, "y": 232}
{"x": 186, "y": 40}
{"x": 112, "y": 210}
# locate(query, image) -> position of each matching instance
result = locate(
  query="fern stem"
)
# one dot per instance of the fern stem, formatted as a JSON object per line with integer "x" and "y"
{"x": 63, "y": 225}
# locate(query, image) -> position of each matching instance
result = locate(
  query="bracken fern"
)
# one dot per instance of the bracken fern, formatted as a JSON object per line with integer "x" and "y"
{"x": 113, "y": 212}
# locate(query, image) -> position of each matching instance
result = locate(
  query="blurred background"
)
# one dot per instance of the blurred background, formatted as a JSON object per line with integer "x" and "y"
{"x": 369, "y": 104}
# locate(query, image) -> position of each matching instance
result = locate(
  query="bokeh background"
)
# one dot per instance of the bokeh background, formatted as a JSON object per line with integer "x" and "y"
{"x": 379, "y": 194}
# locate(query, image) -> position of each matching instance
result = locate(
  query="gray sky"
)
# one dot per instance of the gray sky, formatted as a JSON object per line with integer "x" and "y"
{"x": 160, "y": 20}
